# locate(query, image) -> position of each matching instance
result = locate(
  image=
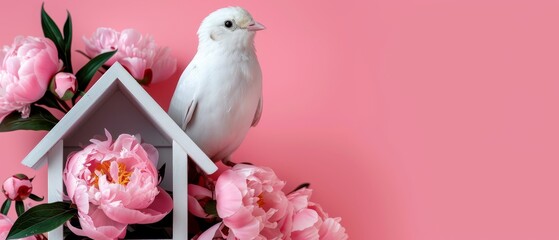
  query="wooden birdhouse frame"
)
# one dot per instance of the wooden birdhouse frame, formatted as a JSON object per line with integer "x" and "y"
{"x": 116, "y": 102}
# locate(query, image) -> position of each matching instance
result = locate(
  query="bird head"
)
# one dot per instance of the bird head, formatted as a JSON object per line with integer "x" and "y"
{"x": 230, "y": 27}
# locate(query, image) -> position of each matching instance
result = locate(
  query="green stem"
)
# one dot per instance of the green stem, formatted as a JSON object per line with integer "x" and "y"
{"x": 20, "y": 208}
{"x": 6, "y": 206}
{"x": 64, "y": 105}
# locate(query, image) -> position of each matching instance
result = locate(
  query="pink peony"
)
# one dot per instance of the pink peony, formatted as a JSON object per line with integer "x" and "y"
{"x": 25, "y": 73}
{"x": 64, "y": 85}
{"x": 310, "y": 221}
{"x": 250, "y": 202}
{"x": 118, "y": 178}
{"x": 137, "y": 53}
{"x": 6, "y": 225}
{"x": 17, "y": 187}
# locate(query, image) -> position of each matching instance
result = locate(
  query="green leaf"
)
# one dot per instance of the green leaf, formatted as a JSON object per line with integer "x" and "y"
{"x": 84, "y": 54}
{"x": 36, "y": 198}
{"x": 68, "y": 43}
{"x": 39, "y": 119}
{"x": 6, "y": 206}
{"x": 20, "y": 208}
{"x": 85, "y": 74}
{"x": 49, "y": 100}
{"x": 21, "y": 176}
{"x": 105, "y": 67}
{"x": 211, "y": 208}
{"x": 161, "y": 172}
{"x": 42, "y": 218}
{"x": 148, "y": 75}
{"x": 303, "y": 185}
{"x": 51, "y": 31}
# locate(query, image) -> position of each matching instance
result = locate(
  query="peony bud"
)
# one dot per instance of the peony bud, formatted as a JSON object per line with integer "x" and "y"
{"x": 64, "y": 85}
{"x": 17, "y": 187}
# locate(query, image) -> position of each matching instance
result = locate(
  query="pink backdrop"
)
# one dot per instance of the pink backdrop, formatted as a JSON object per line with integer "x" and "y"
{"x": 412, "y": 119}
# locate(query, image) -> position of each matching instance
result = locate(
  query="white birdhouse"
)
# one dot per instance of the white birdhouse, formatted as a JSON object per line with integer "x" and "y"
{"x": 119, "y": 104}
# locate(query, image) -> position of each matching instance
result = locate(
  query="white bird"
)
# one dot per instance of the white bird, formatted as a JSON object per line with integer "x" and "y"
{"x": 219, "y": 94}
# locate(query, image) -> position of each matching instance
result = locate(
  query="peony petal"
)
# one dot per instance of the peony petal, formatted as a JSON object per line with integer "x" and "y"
{"x": 211, "y": 233}
{"x": 136, "y": 66}
{"x": 9, "y": 188}
{"x": 331, "y": 229}
{"x": 275, "y": 203}
{"x": 300, "y": 198}
{"x": 129, "y": 37}
{"x": 5, "y": 225}
{"x": 286, "y": 224}
{"x": 304, "y": 219}
{"x": 97, "y": 225}
{"x": 160, "y": 207}
{"x": 199, "y": 192}
{"x": 228, "y": 190}
{"x": 243, "y": 224}
{"x": 196, "y": 193}
{"x": 152, "y": 153}
{"x": 81, "y": 198}
{"x": 309, "y": 233}
{"x": 164, "y": 65}
{"x": 195, "y": 208}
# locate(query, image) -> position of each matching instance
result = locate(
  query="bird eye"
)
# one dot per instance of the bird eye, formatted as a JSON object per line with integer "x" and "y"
{"x": 228, "y": 24}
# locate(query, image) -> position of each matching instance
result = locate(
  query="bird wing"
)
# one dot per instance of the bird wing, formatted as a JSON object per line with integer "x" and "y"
{"x": 189, "y": 113}
{"x": 258, "y": 113}
{"x": 184, "y": 100}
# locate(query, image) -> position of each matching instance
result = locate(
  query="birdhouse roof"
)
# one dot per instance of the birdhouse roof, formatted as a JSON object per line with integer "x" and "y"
{"x": 115, "y": 78}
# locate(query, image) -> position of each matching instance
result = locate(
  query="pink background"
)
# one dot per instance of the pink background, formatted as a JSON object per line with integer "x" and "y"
{"x": 412, "y": 119}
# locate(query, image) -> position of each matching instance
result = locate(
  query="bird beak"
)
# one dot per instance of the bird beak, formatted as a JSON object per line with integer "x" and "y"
{"x": 255, "y": 26}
